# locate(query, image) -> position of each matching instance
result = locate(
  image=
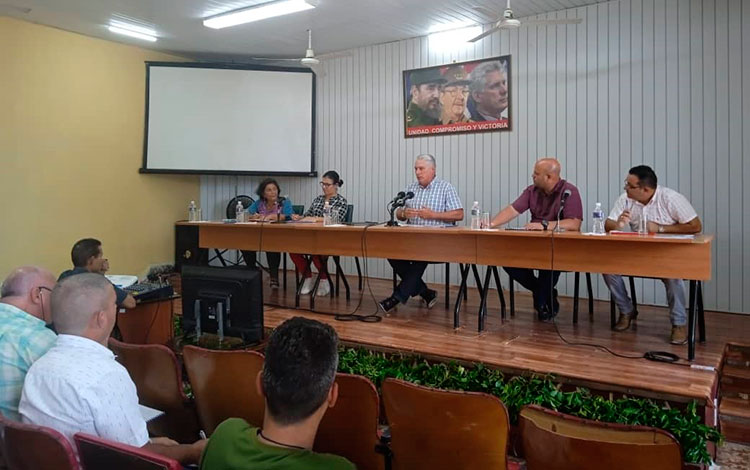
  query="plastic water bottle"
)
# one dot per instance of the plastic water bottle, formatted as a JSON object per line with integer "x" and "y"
{"x": 192, "y": 212}
{"x": 598, "y": 217}
{"x": 239, "y": 212}
{"x": 326, "y": 213}
{"x": 476, "y": 216}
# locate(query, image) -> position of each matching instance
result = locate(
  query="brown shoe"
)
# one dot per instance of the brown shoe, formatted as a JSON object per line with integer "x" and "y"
{"x": 679, "y": 334}
{"x": 623, "y": 323}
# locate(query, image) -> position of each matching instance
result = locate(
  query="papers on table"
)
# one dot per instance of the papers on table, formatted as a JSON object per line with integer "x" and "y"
{"x": 121, "y": 280}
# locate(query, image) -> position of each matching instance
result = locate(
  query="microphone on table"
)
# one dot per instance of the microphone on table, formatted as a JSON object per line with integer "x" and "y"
{"x": 565, "y": 196}
{"x": 399, "y": 196}
{"x": 407, "y": 196}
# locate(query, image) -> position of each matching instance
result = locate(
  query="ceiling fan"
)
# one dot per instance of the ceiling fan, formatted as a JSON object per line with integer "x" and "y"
{"x": 309, "y": 60}
{"x": 509, "y": 21}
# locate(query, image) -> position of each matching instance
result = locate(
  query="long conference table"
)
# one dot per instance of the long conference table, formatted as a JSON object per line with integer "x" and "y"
{"x": 655, "y": 256}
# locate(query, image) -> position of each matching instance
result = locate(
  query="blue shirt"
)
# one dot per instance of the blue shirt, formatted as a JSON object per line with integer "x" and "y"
{"x": 439, "y": 196}
{"x": 259, "y": 207}
{"x": 119, "y": 293}
{"x": 23, "y": 339}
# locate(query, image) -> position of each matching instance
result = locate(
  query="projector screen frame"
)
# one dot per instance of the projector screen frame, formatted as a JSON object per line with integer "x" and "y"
{"x": 228, "y": 66}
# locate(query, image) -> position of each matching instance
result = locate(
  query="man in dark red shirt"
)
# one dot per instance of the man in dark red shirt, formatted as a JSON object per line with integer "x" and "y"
{"x": 543, "y": 199}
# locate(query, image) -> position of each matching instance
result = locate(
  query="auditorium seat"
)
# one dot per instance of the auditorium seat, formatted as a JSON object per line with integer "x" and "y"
{"x": 350, "y": 428}
{"x": 101, "y": 454}
{"x": 30, "y": 447}
{"x": 555, "y": 441}
{"x": 433, "y": 428}
{"x": 158, "y": 378}
{"x": 223, "y": 383}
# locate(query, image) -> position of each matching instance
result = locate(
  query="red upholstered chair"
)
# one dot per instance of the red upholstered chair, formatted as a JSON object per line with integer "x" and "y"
{"x": 555, "y": 441}
{"x": 100, "y": 454}
{"x": 29, "y": 447}
{"x": 350, "y": 428}
{"x": 158, "y": 378}
{"x": 445, "y": 429}
{"x": 224, "y": 385}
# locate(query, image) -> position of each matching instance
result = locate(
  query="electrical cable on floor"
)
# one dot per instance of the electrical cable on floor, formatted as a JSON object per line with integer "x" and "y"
{"x": 659, "y": 356}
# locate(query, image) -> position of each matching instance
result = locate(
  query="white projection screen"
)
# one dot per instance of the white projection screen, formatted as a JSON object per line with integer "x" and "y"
{"x": 218, "y": 119}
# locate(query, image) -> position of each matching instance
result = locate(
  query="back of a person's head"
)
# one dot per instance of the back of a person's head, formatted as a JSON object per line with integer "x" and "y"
{"x": 83, "y": 250}
{"x": 23, "y": 279}
{"x": 76, "y": 299}
{"x": 299, "y": 369}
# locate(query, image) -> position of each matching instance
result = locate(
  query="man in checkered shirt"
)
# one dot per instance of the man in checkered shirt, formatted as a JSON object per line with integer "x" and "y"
{"x": 665, "y": 211}
{"x": 436, "y": 203}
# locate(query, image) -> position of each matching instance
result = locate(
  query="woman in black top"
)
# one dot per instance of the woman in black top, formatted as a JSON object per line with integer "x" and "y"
{"x": 330, "y": 183}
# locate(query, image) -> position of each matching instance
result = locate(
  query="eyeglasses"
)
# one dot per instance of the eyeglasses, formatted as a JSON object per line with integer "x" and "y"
{"x": 630, "y": 186}
{"x": 456, "y": 91}
{"x": 326, "y": 185}
{"x": 44, "y": 288}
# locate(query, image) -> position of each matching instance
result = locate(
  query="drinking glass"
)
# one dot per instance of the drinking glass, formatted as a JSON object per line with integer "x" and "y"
{"x": 485, "y": 223}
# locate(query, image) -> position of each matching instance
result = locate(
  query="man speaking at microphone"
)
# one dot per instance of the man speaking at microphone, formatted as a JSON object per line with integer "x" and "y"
{"x": 547, "y": 198}
{"x": 436, "y": 203}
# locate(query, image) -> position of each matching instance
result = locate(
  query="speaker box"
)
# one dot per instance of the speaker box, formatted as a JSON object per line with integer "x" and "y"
{"x": 186, "y": 247}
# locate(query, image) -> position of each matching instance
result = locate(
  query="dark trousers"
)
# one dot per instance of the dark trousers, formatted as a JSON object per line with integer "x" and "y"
{"x": 410, "y": 273}
{"x": 540, "y": 286}
{"x": 274, "y": 260}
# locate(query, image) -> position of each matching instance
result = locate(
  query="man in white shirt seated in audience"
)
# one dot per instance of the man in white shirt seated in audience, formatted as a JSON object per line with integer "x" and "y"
{"x": 24, "y": 337}
{"x": 665, "y": 211}
{"x": 77, "y": 386}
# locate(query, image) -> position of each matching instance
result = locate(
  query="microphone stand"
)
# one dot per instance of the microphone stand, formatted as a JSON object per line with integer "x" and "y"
{"x": 392, "y": 211}
{"x": 557, "y": 227}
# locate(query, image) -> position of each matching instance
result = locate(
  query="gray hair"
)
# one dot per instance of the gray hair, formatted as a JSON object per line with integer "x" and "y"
{"x": 477, "y": 76}
{"x": 76, "y": 299}
{"x": 21, "y": 280}
{"x": 426, "y": 157}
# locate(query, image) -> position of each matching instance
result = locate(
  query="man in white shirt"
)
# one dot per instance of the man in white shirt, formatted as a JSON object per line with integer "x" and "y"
{"x": 662, "y": 210}
{"x": 77, "y": 386}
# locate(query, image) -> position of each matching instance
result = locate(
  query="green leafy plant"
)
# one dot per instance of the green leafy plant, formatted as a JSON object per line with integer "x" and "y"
{"x": 518, "y": 391}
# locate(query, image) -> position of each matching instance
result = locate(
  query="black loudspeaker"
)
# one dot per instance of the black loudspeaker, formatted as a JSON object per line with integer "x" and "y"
{"x": 186, "y": 250}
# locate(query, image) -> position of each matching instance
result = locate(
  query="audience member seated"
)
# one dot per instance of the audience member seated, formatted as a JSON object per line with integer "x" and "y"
{"x": 269, "y": 207}
{"x": 24, "y": 338}
{"x": 330, "y": 183}
{"x": 78, "y": 386}
{"x": 661, "y": 210}
{"x": 297, "y": 381}
{"x": 88, "y": 257}
{"x": 435, "y": 203}
{"x": 543, "y": 199}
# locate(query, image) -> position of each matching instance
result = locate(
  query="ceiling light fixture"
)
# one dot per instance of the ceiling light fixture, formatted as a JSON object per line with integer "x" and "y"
{"x": 453, "y": 39}
{"x": 258, "y": 12}
{"x": 132, "y": 33}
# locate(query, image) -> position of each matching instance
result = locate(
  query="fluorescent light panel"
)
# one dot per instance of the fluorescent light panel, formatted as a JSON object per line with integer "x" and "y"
{"x": 132, "y": 33}
{"x": 258, "y": 12}
{"x": 454, "y": 38}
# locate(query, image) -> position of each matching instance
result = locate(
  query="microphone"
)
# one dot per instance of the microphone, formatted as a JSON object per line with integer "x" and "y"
{"x": 402, "y": 201}
{"x": 565, "y": 196}
{"x": 400, "y": 195}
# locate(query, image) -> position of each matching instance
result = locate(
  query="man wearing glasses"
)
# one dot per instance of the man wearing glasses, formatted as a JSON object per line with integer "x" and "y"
{"x": 88, "y": 257}
{"x": 661, "y": 210}
{"x": 24, "y": 311}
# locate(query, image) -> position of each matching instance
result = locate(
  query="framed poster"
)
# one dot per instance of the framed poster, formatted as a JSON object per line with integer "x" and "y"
{"x": 458, "y": 98}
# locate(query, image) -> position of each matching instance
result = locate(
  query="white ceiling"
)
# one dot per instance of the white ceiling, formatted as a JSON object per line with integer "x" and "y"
{"x": 337, "y": 24}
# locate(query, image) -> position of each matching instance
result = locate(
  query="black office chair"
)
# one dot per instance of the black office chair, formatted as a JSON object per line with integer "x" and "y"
{"x": 231, "y": 213}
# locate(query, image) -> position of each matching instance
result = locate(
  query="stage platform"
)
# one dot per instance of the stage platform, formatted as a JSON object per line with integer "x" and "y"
{"x": 521, "y": 344}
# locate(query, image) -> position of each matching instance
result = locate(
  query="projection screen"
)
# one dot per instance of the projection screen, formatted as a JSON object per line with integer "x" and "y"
{"x": 218, "y": 119}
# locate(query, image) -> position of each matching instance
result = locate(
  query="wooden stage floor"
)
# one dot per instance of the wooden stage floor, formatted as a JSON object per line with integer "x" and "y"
{"x": 523, "y": 344}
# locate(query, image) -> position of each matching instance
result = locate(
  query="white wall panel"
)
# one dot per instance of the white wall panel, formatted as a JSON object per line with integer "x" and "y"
{"x": 662, "y": 82}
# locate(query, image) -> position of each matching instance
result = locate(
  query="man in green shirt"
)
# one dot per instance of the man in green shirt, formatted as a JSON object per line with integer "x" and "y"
{"x": 424, "y": 93}
{"x": 298, "y": 382}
